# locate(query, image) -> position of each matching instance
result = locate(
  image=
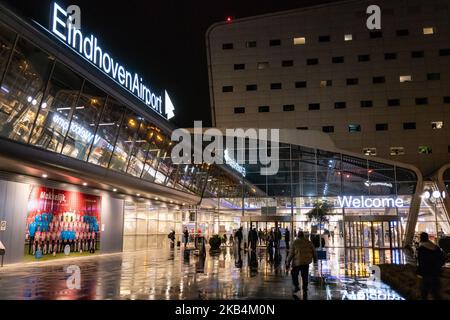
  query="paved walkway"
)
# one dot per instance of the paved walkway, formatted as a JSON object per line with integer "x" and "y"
{"x": 166, "y": 274}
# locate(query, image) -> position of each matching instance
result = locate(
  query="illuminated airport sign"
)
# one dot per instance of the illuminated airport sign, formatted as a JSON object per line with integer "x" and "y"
{"x": 369, "y": 202}
{"x": 88, "y": 47}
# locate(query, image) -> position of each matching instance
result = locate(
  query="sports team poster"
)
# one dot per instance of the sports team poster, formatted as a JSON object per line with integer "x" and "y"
{"x": 58, "y": 218}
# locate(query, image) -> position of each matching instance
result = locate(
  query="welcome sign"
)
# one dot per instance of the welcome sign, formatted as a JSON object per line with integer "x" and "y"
{"x": 88, "y": 47}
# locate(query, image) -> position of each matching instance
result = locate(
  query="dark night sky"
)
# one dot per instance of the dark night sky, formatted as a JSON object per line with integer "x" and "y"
{"x": 164, "y": 40}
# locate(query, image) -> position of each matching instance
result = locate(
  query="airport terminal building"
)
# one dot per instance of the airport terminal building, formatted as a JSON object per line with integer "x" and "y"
{"x": 85, "y": 161}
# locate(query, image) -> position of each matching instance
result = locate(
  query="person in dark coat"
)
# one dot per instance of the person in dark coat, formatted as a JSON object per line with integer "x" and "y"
{"x": 239, "y": 237}
{"x": 430, "y": 260}
{"x": 287, "y": 238}
{"x": 253, "y": 238}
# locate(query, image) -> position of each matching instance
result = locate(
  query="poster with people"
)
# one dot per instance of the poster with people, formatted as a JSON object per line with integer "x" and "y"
{"x": 60, "y": 219}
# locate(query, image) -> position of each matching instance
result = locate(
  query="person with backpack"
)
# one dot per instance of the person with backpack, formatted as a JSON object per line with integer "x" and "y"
{"x": 430, "y": 259}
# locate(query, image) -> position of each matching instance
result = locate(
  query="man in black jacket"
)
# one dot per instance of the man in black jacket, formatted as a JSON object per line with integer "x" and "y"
{"x": 430, "y": 261}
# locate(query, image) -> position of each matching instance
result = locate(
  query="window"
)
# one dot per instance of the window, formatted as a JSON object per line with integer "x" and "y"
{"x": 448, "y": 149}
{"x": 299, "y": 41}
{"x": 324, "y": 38}
{"x": 428, "y": 30}
{"x": 397, "y": 151}
{"x": 250, "y": 44}
{"x": 366, "y": 104}
{"x": 446, "y": 99}
{"x": 288, "y": 107}
{"x": 239, "y": 110}
{"x": 393, "y": 102}
{"x": 340, "y": 105}
{"x": 314, "y": 106}
{"x": 252, "y": 87}
{"x": 337, "y": 60}
{"x": 409, "y": 125}
{"x": 378, "y": 80}
{"x": 406, "y": 78}
{"x": 300, "y": 84}
{"x": 348, "y": 37}
{"x": 264, "y": 109}
{"x": 425, "y": 150}
{"x": 375, "y": 34}
{"x": 437, "y": 125}
{"x": 275, "y": 43}
{"x": 312, "y": 61}
{"x": 370, "y": 151}
{"x": 444, "y": 52}
{"x": 227, "y": 89}
{"x": 302, "y": 128}
{"x": 262, "y": 65}
{"x": 402, "y": 32}
{"x": 352, "y": 81}
{"x": 354, "y": 128}
{"x": 275, "y": 86}
{"x": 434, "y": 76}
{"x": 381, "y": 127}
{"x": 227, "y": 46}
{"x": 417, "y": 54}
{"x": 287, "y": 63}
{"x": 239, "y": 66}
{"x": 421, "y": 101}
{"x": 390, "y": 56}
{"x": 328, "y": 129}
{"x": 326, "y": 83}
{"x": 363, "y": 58}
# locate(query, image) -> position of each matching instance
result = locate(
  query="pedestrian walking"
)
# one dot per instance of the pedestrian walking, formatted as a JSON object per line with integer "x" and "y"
{"x": 239, "y": 237}
{"x": 287, "y": 238}
{"x": 186, "y": 237}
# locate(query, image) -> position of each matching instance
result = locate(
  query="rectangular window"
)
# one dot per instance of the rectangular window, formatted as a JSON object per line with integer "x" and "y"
{"x": 328, "y": 129}
{"x": 397, "y": 151}
{"x": 227, "y": 89}
{"x": 337, "y": 59}
{"x": 264, "y": 109}
{"x": 299, "y": 41}
{"x": 312, "y": 61}
{"x": 275, "y": 86}
{"x": 275, "y": 43}
{"x": 366, "y": 104}
{"x": 375, "y": 34}
{"x": 352, "y": 81}
{"x": 446, "y": 99}
{"x": 314, "y": 106}
{"x": 227, "y": 46}
{"x": 302, "y": 128}
{"x": 324, "y": 38}
{"x": 250, "y": 44}
{"x": 409, "y": 125}
{"x": 287, "y": 63}
{"x": 326, "y": 83}
{"x": 239, "y": 66}
{"x": 239, "y": 110}
{"x": 340, "y": 105}
{"x": 421, "y": 101}
{"x": 381, "y": 127}
{"x": 363, "y": 58}
{"x": 390, "y": 56}
{"x": 262, "y": 65}
{"x": 378, "y": 80}
{"x": 417, "y": 54}
{"x": 434, "y": 76}
{"x": 348, "y": 37}
{"x": 370, "y": 151}
{"x": 444, "y": 52}
{"x": 288, "y": 107}
{"x": 393, "y": 102}
{"x": 406, "y": 78}
{"x": 252, "y": 87}
{"x": 437, "y": 125}
{"x": 428, "y": 30}
{"x": 425, "y": 150}
{"x": 402, "y": 32}
{"x": 300, "y": 84}
{"x": 354, "y": 128}
{"x": 448, "y": 149}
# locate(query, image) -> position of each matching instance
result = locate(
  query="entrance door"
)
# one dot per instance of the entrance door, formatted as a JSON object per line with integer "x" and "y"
{"x": 373, "y": 234}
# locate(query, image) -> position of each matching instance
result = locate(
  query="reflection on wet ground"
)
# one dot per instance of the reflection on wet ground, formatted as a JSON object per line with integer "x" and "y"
{"x": 166, "y": 274}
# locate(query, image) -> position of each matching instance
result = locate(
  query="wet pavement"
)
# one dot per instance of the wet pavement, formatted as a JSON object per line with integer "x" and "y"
{"x": 166, "y": 274}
